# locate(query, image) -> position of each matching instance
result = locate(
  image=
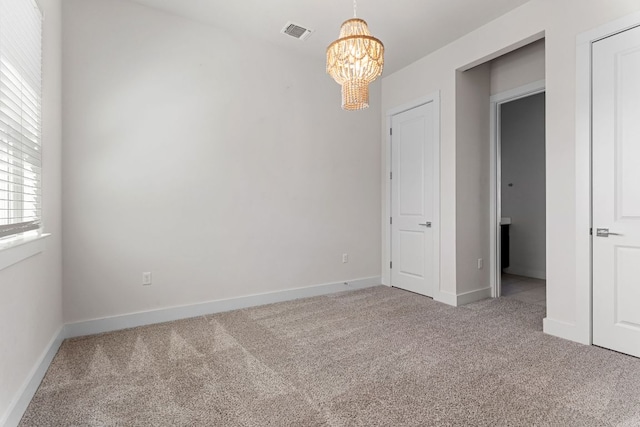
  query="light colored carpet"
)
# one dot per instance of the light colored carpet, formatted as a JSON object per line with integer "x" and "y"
{"x": 375, "y": 357}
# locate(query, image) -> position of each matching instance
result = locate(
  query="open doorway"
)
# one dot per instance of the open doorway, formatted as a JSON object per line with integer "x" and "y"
{"x": 518, "y": 135}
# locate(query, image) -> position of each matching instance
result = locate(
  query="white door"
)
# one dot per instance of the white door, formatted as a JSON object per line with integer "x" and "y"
{"x": 616, "y": 192}
{"x": 413, "y": 141}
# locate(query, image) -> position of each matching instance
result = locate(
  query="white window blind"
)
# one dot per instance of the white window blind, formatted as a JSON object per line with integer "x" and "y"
{"x": 20, "y": 116}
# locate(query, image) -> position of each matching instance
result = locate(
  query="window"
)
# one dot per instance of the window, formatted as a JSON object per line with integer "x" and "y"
{"x": 20, "y": 117}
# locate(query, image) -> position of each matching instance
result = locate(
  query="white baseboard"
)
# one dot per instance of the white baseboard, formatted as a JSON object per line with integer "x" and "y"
{"x": 446, "y": 298}
{"x": 16, "y": 410}
{"x": 132, "y": 320}
{"x": 24, "y": 395}
{"x": 517, "y": 271}
{"x": 457, "y": 300}
{"x": 560, "y": 329}
{"x": 473, "y": 296}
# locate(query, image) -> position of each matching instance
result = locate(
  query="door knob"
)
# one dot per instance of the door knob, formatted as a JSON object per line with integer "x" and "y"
{"x": 604, "y": 232}
{"x": 426, "y": 224}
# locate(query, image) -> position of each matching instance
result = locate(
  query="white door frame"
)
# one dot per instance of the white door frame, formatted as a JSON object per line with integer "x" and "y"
{"x": 386, "y": 270}
{"x": 581, "y": 330}
{"x": 495, "y": 170}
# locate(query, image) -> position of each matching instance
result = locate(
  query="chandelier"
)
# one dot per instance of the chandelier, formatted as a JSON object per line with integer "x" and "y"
{"x": 355, "y": 60}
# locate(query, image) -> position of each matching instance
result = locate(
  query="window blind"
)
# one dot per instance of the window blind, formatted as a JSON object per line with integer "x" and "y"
{"x": 20, "y": 116}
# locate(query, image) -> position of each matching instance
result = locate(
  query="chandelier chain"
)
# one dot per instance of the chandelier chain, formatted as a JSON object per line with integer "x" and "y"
{"x": 355, "y": 8}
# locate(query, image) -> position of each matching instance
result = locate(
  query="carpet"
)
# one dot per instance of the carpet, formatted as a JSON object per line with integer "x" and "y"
{"x": 374, "y": 357}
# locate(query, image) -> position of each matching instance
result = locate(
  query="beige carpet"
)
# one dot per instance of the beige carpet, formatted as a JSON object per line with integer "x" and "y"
{"x": 375, "y": 357}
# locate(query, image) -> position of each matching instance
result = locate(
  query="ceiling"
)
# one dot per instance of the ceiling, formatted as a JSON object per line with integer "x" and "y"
{"x": 409, "y": 29}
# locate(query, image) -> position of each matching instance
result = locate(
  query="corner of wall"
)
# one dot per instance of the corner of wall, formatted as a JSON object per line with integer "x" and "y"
{"x": 472, "y": 179}
{"x": 28, "y": 389}
{"x": 31, "y": 291}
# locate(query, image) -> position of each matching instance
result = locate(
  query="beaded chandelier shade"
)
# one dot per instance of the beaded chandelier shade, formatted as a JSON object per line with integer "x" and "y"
{"x": 355, "y": 60}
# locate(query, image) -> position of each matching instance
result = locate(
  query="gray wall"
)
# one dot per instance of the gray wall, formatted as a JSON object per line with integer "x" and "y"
{"x": 184, "y": 160}
{"x": 523, "y": 166}
{"x": 31, "y": 290}
{"x": 518, "y": 68}
{"x": 472, "y": 178}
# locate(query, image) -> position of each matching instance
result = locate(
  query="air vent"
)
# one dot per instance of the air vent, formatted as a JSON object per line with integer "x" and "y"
{"x": 297, "y": 31}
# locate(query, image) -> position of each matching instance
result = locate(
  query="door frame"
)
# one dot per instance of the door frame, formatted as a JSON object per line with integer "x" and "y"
{"x": 582, "y": 330}
{"x": 386, "y": 255}
{"x": 495, "y": 166}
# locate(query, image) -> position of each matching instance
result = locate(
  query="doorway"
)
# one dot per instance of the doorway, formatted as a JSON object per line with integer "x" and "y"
{"x": 518, "y": 267}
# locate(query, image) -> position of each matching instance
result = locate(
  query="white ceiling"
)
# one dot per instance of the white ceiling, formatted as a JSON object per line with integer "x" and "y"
{"x": 409, "y": 29}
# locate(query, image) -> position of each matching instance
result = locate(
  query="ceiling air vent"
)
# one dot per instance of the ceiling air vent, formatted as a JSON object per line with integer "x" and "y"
{"x": 297, "y": 31}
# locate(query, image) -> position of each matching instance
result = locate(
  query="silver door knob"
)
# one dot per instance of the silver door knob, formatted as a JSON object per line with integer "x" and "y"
{"x": 604, "y": 232}
{"x": 426, "y": 224}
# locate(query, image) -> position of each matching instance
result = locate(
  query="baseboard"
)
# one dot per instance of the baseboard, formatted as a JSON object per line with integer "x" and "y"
{"x": 457, "y": 300}
{"x": 446, "y": 298}
{"x": 566, "y": 330}
{"x": 473, "y": 296}
{"x": 132, "y": 320}
{"x": 536, "y": 274}
{"x": 24, "y": 395}
{"x": 16, "y": 410}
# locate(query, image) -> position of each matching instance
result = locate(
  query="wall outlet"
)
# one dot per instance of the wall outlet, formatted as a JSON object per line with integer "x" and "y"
{"x": 480, "y": 263}
{"x": 146, "y": 278}
{"x": 345, "y": 258}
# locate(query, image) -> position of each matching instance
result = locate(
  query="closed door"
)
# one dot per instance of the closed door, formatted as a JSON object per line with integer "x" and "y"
{"x": 616, "y": 192}
{"x": 412, "y": 199}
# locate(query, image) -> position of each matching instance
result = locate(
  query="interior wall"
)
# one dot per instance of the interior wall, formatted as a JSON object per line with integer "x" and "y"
{"x": 559, "y": 24}
{"x": 523, "y": 184}
{"x": 472, "y": 178}
{"x": 31, "y": 290}
{"x": 222, "y": 165}
{"x": 518, "y": 68}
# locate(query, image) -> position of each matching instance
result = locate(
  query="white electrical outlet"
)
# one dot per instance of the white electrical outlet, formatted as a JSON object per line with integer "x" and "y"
{"x": 345, "y": 258}
{"x": 146, "y": 278}
{"x": 480, "y": 263}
